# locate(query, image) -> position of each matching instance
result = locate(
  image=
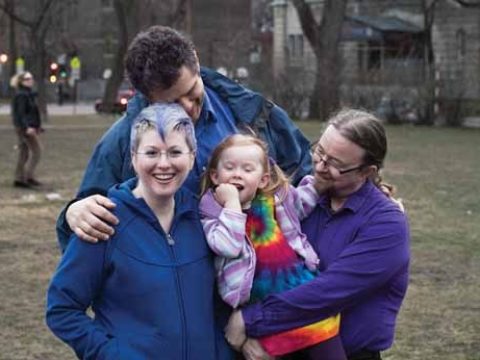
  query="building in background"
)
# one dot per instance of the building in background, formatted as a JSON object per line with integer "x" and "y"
{"x": 383, "y": 47}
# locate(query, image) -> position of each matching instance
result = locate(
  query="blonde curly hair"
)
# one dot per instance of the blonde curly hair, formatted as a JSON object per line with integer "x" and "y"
{"x": 17, "y": 79}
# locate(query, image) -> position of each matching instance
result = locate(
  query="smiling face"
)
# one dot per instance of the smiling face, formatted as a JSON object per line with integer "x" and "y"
{"x": 161, "y": 166}
{"x": 333, "y": 154}
{"x": 188, "y": 91}
{"x": 242, "y": 166}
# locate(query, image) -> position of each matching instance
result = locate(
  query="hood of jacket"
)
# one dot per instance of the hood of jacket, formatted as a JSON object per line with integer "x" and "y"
{"x": 185, "y": 201}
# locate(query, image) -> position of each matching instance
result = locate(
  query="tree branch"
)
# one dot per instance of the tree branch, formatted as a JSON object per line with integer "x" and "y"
{"x": 6, "y": 9}
{"x": 43, "y": 13}
{"x": 307, "y": 20}
{"x": 468, "y": 4}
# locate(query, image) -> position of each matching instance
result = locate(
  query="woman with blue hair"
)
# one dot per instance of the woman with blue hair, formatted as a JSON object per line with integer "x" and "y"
{"x": 151, "y": 287}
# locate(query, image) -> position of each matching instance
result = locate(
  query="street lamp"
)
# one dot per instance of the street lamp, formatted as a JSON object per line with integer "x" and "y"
{"x": 3, "y": 74}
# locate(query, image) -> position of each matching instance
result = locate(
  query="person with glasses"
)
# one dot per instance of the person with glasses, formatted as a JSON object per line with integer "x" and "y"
{"x": 163, "y": 66}
{"x": 362, "y": 239}
{"x": 28, "y": 126}
{"x": 151, "y": 287}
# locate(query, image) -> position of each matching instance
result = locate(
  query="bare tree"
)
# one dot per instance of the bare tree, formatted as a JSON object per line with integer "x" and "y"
{"x": 10, "y": 5}
{"x": 324, "y": 38}
{"x": 37, "y": 29}
{"x": 132, "y": 16}
{"x": 429, "y": 18}
{"x": 468, "y": 4}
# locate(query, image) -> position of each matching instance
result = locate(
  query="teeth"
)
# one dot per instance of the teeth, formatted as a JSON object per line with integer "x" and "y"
{"x": 163, "y": 177}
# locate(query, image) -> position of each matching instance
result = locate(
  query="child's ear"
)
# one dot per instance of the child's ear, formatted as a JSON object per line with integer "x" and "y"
{"x": 264, "y": 181}
{"x": 214, "y": 177}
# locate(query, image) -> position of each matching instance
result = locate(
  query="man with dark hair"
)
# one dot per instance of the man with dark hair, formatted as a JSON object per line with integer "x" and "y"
{"x": 163, "y": 66}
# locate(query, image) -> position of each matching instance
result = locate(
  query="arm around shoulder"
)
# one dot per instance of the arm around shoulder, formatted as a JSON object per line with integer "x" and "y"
{"x": 378, "y": 253}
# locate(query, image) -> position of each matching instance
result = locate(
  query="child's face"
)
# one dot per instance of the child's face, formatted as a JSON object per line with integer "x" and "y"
{"x": 241, "y": 166}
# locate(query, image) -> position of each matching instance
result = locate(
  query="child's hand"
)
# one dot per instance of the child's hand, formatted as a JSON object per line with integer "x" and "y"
{"x": 389, "y": 190}
{"x": 312, "y": 265}
{"x": 227, "y": 196}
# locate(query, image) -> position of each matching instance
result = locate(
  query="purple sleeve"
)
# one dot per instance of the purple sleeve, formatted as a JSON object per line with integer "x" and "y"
{"x": 379, "y": 250}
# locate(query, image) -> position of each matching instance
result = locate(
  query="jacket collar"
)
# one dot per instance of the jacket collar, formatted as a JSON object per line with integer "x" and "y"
{"x": 354, "y": 201}
{"x": 244, "y": 103}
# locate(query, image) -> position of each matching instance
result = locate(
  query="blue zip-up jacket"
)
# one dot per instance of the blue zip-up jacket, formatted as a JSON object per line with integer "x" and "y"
{"x": 152, "y": 293}
{"x": 111, "y": 161}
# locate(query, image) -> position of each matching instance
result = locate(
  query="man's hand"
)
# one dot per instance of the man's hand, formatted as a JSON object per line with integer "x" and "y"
{"x": 31, "y": 131}
{"x": 235, "y": 330}
{"x": 90, "y": 218}
{"x": 253, "y": 350}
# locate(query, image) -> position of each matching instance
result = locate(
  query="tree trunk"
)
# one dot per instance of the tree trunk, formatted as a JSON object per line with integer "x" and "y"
{"x": 38, "y": 69}
{"x": 325, "y": 97}
{"x": 11, "y": 38}
{"x": 114, "y": 82}
{"x": 324, "y": 39}
{"x": 130, "y": 17}
{"x": 429, "y": 16}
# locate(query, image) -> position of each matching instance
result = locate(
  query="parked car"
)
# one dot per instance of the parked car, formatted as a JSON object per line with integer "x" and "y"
{"x": 125, "y": 92}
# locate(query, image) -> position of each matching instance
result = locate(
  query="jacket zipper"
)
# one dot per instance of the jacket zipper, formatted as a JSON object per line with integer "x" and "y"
{"x": 171, "y": 243}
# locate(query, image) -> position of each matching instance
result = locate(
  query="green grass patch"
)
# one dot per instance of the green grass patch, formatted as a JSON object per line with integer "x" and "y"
{"x": 437, "y": 174}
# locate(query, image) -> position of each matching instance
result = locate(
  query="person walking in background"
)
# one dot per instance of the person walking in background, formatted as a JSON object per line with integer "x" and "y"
{"x": 251, "y": 217}
{"x": 27, "y": 122}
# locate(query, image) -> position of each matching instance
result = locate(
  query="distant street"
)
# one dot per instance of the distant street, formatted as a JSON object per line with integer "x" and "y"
{"x": 82, "y": 108}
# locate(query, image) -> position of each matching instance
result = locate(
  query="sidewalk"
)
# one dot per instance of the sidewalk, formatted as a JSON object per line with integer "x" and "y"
{"x": 83, "y": 108}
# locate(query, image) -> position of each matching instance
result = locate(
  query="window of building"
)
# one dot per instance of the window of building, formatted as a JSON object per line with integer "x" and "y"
{"x": 295, "y": 46}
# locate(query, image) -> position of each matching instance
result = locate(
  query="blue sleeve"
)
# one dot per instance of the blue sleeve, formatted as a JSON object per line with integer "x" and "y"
{"x": 379, "y": 251}
{"x": 291, "y": 149}
{"x": 77, "y": 281}
{"x": 109, "y": 165}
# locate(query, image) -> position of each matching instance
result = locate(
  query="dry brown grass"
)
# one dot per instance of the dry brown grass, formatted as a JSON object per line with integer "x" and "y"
{"x": 438, "y": 175}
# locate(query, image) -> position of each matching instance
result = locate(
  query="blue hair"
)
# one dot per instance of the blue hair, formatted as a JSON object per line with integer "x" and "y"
{"x": 164, "y": 118}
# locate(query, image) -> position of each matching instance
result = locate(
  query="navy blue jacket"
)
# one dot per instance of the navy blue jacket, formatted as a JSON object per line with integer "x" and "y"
{"x": 25, "y": 111}
{"x": 152, "y": 293}
{"x": 111, "y": 161}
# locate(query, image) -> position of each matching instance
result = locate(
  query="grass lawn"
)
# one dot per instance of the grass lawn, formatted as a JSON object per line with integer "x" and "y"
{"x": 437, "y": 173}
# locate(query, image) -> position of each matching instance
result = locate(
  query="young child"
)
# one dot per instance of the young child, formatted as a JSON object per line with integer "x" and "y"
{"x": 251, "y": 217}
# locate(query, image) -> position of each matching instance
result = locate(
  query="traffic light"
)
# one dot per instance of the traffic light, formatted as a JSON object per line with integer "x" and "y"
{"x": 62, "y": 72}
{"x": 53, "y": 74}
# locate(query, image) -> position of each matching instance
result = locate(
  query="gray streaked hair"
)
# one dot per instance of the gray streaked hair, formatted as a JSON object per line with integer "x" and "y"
{"x": 164, "y": 118}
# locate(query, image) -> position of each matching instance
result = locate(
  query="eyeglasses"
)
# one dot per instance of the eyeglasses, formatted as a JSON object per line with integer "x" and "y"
{"x": 319, "y": 156}
{"x": 171, "y": 154}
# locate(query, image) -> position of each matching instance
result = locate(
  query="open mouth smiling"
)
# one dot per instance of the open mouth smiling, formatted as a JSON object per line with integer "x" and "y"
{"x": 164, "y": 177}
{"x": 239, "y": 187}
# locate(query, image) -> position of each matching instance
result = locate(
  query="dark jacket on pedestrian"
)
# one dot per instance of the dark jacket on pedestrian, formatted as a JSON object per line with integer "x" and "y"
{"x": 24, "y": 109}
